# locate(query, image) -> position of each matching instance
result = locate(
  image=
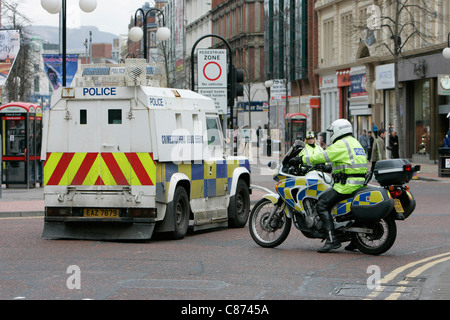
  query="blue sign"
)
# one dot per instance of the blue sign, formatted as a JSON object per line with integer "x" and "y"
{"x": 358, "y": 85}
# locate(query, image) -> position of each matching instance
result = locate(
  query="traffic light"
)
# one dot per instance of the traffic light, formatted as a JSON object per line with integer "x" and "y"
{"x": 235, "y": 86}
{"x": 239, "y": 78}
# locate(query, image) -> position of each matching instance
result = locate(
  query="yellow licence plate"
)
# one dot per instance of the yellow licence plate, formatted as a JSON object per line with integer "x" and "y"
{"x": 101, "y": 213}
{"x": 398, "y": 206}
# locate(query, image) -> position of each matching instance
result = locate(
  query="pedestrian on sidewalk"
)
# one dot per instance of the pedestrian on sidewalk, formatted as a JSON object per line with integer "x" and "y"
{"x": 364, "y": 141}
{"x": 322, "y": 140}
{"x": 393, "y": 145}
{"x": 378, "y": 149}
{"x": 369, "y": 148}
{"x": 447, "y": 140}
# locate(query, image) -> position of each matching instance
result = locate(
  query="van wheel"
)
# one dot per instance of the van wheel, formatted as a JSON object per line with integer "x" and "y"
{"x": 180, "y": 210}
{"x": 239, "y": 208}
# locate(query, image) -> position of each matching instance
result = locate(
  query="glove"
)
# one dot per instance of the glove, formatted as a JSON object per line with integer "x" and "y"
{"x": 296, "y": 161}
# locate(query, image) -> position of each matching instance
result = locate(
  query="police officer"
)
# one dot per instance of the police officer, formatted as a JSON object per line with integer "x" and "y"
{"x": 311, "y": 147}
{"x": 349, "y": 163}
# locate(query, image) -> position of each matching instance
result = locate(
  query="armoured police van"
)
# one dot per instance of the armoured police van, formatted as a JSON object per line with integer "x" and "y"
{"x": 123, "y": 162}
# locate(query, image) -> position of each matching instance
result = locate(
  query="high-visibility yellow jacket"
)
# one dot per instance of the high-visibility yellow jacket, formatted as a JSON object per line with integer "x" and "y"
{"x": 308, "y": 151}
{"x": 346, "y": 156}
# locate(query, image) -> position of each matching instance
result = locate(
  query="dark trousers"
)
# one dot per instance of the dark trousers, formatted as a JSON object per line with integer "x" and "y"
{"x": 326, "y": 202}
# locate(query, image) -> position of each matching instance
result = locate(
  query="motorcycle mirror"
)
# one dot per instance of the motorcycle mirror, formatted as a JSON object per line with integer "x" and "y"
{"x": 272, "y": 164}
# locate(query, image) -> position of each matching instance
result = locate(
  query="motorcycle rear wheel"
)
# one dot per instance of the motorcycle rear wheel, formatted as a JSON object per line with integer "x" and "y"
{"x": 271, "y": 234}
{"x": 380, "y": 241}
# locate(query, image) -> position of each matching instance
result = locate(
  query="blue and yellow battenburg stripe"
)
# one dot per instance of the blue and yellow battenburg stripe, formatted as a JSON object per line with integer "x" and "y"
{"x": 306, "y": 188}
{"x": 208, "y": 178}
{"x": 368, "y": 198}
{"x": 342, "y": 207}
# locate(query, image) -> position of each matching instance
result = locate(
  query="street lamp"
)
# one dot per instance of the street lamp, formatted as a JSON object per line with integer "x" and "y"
{"x": 446, "y": 52}
{"x": 268, "y": 84}
{"x": 136, "y": 33}
{"x": 55, "y": 6}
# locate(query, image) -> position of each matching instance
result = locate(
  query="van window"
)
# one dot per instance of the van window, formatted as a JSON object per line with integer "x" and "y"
{"x": 83, "y": 116}
{"x": 213, "y": 131}
{"x": 114, "y": 116}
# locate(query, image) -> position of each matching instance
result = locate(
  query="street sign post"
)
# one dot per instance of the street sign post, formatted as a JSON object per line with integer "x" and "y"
{"x": 278, "y": 90}
{"x": 212, "y": 76}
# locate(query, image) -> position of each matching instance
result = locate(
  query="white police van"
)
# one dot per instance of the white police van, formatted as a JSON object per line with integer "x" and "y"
{"x": 123, "y": 162}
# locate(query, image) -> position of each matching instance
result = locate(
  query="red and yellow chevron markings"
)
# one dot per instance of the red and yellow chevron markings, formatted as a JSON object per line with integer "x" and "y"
{"x": 98, "y": 169}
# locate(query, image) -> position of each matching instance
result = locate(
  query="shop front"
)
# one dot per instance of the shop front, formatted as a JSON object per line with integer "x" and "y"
{"x": 344, "y": 85}
{"x": 427, "y": 103}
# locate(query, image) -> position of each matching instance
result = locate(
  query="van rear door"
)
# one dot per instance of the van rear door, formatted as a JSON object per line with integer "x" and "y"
{"x": 99, "y": 126}
{"x": 99, "y": 138}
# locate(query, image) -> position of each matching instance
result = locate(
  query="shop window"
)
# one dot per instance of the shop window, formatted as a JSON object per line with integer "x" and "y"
{"x": 422, "y": 116}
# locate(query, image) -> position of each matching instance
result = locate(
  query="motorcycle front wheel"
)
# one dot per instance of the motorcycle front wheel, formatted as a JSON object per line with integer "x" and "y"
{"x": 384, "y": 233}
{"x": 269, "y": 234}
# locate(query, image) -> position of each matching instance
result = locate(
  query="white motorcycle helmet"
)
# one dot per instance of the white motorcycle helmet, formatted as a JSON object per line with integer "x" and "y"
{"x": 340, "y": 128}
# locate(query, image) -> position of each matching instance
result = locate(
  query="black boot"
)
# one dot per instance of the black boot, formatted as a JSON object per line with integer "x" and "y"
{"x": 351, "y": 247}
{"x": 331, "y": 243}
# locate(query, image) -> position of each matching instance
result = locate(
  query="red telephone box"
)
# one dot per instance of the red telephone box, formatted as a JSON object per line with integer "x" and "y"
{"x": 295, "y": 129}
{"x": 20, "y": 129}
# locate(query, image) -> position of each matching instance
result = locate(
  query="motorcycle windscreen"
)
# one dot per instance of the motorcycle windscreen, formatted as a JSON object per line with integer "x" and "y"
{"x": 372, "y": 204}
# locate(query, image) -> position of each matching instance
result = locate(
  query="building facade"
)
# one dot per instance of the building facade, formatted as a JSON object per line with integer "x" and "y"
{"x": 346, "y": 80}
{"x": 367, "y": 63}
{"x": 197, "y": 17}
{"x": 291, "y": 54}
{"x": 241, "y": 24}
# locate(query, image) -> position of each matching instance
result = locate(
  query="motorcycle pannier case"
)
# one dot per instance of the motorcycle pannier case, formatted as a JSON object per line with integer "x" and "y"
{"x": 391, "y": 172}
{"x": 372, "y": 204}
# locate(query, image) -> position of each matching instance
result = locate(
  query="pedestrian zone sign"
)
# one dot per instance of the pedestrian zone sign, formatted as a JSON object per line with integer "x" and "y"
{"x": 212, "y": 76}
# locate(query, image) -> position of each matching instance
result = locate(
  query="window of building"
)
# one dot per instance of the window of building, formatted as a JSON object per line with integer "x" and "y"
{"x": 328, "y": 47}
{"x": 422, "y": 116}
{"x": 347, "y": 35}
{"x": 36, "y": 84}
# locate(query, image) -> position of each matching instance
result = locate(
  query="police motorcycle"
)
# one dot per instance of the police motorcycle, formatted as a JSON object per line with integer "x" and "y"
{"x": 367, "y": 218}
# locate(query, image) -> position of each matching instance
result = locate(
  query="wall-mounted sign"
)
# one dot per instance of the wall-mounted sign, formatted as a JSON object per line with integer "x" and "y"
{"x": 358, "y": 85}
{"x": 444, "y": 85}
{"x": 385, "y": 77}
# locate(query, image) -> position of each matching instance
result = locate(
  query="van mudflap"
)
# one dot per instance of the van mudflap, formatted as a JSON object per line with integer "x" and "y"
{"x": 97, "y": 231}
